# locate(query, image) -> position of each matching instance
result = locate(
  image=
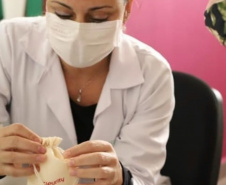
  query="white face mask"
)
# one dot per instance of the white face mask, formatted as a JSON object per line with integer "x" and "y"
{"x": 82, "y": 44}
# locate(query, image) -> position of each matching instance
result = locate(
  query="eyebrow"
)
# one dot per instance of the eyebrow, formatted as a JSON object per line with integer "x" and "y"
{"x": 62, "y": 4}
{"x": 99, "y": 7}
{"x": 91, "y": 9}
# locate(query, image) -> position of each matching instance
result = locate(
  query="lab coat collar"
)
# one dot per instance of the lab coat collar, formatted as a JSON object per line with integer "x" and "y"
{"x": 125, "y": 72}
{"x": 35, "y": 43}
{"x": 51, "y": 81}
{"x": 125, "y": 69}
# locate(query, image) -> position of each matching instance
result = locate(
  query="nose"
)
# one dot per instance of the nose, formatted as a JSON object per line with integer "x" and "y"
{"x": 80, "y": 18}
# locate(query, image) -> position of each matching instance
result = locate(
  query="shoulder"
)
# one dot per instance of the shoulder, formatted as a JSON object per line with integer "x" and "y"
{"x": 148, "y": 58}
{"x": 17, "y": 27}
{"x": 22, "y": 22}
{"x": 21, "y": 36}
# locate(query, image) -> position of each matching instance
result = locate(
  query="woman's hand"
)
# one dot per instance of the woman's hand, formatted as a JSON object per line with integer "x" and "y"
{"x": 19, "y": 148}
{"x": 95, "y": 160}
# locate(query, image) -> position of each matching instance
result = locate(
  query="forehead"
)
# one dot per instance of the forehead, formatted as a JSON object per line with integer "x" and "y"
{"x": 88, "y": 3}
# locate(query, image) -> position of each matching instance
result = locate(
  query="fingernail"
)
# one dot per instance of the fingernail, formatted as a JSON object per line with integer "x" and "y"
{"x": 37, "y": 140}
{"x": 73, "y": 172}
{"x": 67, "y": 154}
{"x": 42, "y": 149}
{"x": 71, "y": 163}
{"x": 40, "y": 158}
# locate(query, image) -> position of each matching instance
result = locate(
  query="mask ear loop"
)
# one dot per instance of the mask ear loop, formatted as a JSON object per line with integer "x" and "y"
{"x": 38, "y": 175}
{"x": 126, "y": 16}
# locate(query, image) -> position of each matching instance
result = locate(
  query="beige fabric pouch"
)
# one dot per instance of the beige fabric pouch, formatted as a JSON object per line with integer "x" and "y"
{"x": 54, "y": 171}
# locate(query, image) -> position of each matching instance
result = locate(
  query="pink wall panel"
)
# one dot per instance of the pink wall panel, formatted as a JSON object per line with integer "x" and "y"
{"x": 176, "y": 29}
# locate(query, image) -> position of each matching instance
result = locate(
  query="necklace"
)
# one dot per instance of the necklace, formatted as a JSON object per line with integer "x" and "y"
{"x": 80, "y": 90}
{"x": 79, "y": 97}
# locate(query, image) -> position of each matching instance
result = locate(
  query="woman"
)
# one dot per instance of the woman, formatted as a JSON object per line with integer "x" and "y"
{"x": 75, "y": 75}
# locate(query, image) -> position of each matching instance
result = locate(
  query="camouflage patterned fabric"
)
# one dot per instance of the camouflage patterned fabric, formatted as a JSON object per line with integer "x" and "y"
{"x": 215, "y": 20}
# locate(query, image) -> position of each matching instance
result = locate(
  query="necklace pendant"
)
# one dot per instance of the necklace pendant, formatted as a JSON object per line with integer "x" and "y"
{"x": 79, "y": 98}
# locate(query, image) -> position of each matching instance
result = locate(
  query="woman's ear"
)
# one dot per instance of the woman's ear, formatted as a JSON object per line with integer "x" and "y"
{"x": 127, "y": 10}
{"x": 129, "y": 6}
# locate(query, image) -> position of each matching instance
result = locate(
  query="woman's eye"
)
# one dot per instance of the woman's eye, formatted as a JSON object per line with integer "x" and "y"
{"x": 98, "y": 20}
{"x": 64, "y": 16}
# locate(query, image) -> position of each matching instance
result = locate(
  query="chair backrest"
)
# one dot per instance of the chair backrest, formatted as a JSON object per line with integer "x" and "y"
{"x": 196, "y": 133}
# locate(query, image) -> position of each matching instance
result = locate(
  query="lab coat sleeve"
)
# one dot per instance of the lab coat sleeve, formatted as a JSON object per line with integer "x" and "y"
{"x": 141, "y": 144}
{"x": 5, "y": 58}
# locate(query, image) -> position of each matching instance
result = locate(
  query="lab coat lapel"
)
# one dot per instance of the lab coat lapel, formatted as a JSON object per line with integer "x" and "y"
{"x": 51, "y": 82}
{"x": 52, "y": 86}
{"x": 124, "y": 73}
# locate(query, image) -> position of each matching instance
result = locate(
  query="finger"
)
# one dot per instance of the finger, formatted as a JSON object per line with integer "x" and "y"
{"x": 92, "y": 159}
{"x": 21, "y": 144}
{"x": 93, "y": 173}
{"x": 17, "y": 129}
{"x": 11, "y": 157}
{"x": 11, "y": 170}
{"x": 88, "y": 147}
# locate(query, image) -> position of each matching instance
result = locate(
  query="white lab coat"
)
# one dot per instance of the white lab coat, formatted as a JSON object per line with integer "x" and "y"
{"x": 133, "y": 112}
